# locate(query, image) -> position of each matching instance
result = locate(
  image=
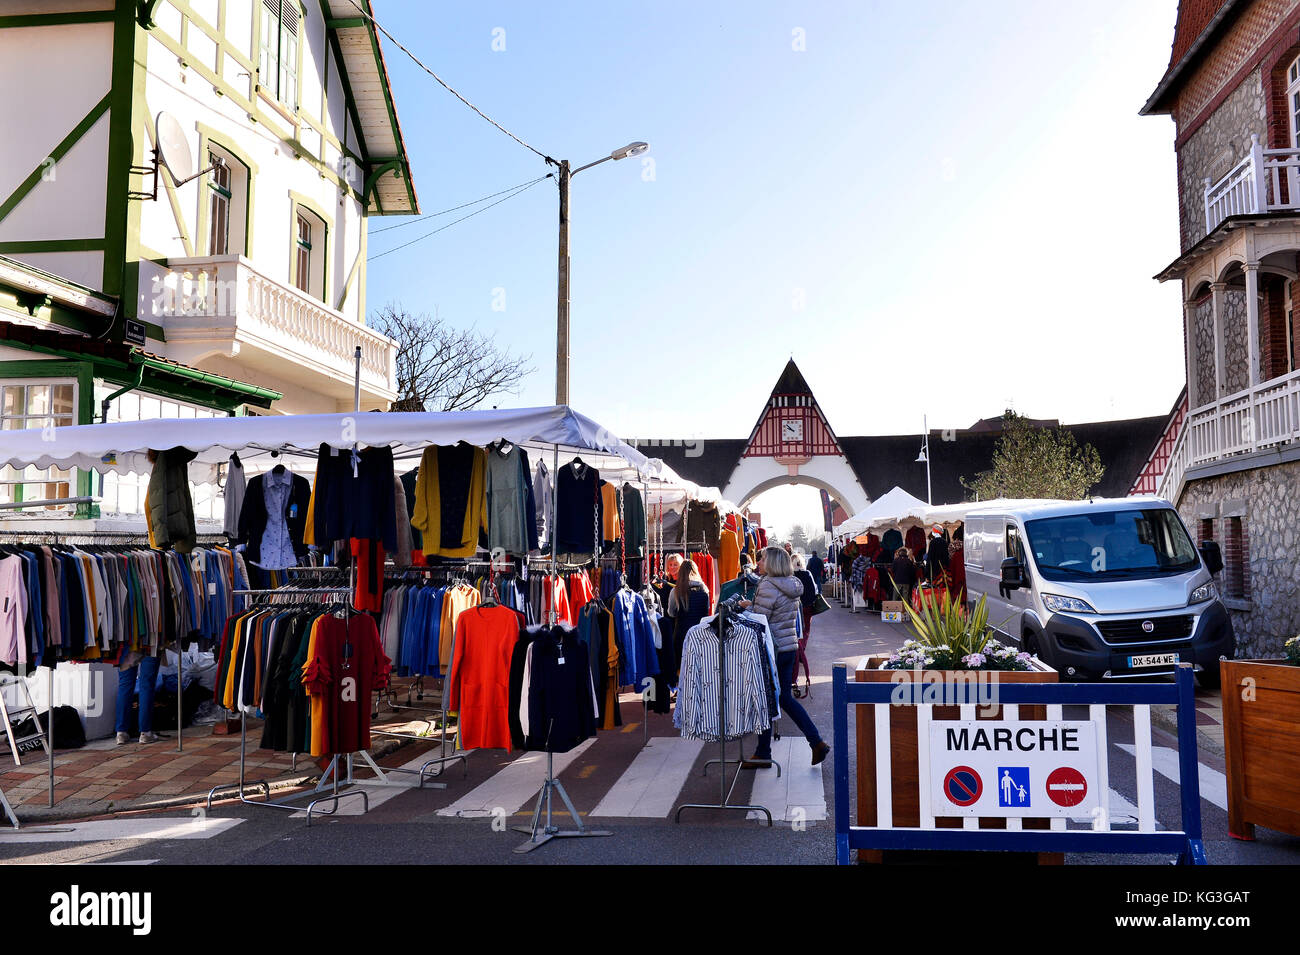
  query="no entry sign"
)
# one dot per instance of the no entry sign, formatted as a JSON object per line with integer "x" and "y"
{"x": 1013, "y": 768}
{"x": 1066, "y": 786}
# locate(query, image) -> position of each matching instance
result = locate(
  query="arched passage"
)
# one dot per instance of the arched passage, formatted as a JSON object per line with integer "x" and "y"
{"x": 831, "y": 474}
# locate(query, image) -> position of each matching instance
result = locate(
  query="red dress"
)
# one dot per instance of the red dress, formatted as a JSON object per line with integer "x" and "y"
{"x": 349, "y": 664}
{"x": 480, "y": 676}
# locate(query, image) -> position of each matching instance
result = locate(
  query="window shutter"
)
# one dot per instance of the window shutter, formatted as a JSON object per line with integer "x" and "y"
{"x": 288, "y": 16}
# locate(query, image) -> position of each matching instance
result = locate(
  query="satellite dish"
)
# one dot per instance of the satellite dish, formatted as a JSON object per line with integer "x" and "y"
{"x": 174, "y": 148}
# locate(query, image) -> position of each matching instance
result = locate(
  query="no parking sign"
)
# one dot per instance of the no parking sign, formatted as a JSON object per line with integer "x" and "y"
{"x": 1013, "y": 768}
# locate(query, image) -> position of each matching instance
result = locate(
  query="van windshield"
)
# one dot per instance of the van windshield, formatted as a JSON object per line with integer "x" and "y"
{"x": 1111, "y": 545}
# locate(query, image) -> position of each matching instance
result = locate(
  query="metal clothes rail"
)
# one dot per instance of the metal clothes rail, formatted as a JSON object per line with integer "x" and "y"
{"x": 724, "y": 801}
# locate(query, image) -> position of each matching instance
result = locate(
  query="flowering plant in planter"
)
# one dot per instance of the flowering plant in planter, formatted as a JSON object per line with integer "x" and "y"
{"x": 1291, "y": 651}
{"x": 949, "y": 637}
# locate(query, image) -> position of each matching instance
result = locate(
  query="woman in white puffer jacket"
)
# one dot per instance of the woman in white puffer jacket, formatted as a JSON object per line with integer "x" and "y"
{"x": 778, "y": 598}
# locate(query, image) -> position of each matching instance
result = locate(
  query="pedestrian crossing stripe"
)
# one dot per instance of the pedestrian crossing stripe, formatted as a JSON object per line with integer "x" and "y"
{"x": 511, "y": 787}
{"x": 798, "y": 794}
{"x": 1213, "y": 784}
{"x": 110, "y": 830}
{"x": 649, "y": 787}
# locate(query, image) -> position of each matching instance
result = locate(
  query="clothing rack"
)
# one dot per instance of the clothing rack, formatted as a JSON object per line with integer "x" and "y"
{"x": 550, "y": 785}
{"x": 724, "y": 801}
{"x": 126, "y": 537}
{"x": 327, "y": 787}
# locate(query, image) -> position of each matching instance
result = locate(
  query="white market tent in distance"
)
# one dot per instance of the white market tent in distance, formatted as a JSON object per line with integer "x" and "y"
{"x": 889, "y": 509}
{"x": 123, "y": 446}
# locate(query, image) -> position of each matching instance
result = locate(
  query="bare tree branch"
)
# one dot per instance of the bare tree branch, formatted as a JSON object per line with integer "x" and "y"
{"x": 440, "y": 368}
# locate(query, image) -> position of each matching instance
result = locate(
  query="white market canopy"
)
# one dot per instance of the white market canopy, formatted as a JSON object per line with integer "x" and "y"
{"x": 122, "y": 446}
{"x": 888, "y": 509}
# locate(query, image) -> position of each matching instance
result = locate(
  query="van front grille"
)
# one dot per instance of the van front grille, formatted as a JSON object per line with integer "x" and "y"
{"x": 1132, "y": 631}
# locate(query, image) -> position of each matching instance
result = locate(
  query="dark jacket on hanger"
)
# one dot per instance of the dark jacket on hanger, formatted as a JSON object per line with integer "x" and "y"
{"x": 579, "y": 513}
{"x": 561, "y": 699}
{"x": 362, "y": 506}
{"x": 170, "y": 507}
{"x": 252, "y": 517}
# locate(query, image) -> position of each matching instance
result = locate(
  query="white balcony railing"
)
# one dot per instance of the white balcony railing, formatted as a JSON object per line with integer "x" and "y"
{"x": 1264, "y": 416}
{"x": 225, "y": 297}
{"x": 1267, "y": 180}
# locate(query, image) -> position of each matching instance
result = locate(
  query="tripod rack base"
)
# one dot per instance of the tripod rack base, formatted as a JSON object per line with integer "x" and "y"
{"x": 542, "y": 838}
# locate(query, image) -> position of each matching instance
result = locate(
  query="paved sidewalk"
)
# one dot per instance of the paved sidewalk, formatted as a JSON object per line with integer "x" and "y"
{"x": 103, "y": 777}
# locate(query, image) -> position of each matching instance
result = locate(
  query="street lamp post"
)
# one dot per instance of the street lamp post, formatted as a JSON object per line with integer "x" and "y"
{"x": 562, "y": 291}
{"x": 924, "y": 457}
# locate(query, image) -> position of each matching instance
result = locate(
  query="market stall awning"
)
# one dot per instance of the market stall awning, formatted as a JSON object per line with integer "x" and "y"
{"x": 122, "y": 446}
{"x": 890, "y": 508}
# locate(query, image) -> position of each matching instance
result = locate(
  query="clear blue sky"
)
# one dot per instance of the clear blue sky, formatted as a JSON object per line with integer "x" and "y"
{"x": 953, "y": 204}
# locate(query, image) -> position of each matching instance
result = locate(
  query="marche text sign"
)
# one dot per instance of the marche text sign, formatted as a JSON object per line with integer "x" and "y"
{"x": 1029, "y": 768}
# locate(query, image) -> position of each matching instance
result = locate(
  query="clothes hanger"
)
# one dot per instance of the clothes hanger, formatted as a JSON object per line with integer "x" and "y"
{"x": 279, "y": 468}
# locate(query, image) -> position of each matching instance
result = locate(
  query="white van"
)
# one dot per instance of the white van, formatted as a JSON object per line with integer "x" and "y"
{"x": 1100, "y": 588}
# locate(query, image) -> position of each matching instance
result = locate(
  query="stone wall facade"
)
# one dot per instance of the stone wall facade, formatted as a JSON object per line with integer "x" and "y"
{"x": 1236, "y": 342}
{"x": 1267, "y": 502}
{"x": 1214, "y": 148}
{"x": 1203, "y": 343}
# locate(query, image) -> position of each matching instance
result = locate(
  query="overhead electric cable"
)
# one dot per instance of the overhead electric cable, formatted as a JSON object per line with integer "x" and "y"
{"x": 461, "y": 219}
{"x": 444, "y": 85}
{"x": 466, "y": 205}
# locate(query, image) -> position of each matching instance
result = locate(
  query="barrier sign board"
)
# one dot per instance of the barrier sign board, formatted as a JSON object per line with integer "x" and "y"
{"x": 1013, "y": 768}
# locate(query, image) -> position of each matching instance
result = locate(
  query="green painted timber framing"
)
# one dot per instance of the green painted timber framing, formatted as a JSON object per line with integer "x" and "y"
{"x": 58, "y": 152}
{"x": 52, "y": 245}
{"x": 55, "y": 19}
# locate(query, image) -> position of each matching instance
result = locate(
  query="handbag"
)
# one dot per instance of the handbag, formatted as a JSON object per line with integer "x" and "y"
{"x": 819, "y": 605}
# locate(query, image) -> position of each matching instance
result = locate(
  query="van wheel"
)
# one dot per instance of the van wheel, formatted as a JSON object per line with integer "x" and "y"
{"x": 1209, "y": 678}
{"x": 1029, "y": 643}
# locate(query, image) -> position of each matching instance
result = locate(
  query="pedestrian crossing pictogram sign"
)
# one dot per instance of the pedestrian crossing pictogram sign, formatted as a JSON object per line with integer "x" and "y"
{"x": 1013, "y": 786}
{"x": 1013, "y": 768}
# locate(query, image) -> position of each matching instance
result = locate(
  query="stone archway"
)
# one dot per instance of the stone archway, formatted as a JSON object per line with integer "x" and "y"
{"x": 753, "y": 476}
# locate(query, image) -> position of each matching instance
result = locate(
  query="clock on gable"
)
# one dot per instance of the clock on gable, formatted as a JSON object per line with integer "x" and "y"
{"x": 792, "y": 429}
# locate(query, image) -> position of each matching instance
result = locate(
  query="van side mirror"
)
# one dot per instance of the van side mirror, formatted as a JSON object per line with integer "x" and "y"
{"x": 1211, "y": 555}
{"x": 1012, "y": 574}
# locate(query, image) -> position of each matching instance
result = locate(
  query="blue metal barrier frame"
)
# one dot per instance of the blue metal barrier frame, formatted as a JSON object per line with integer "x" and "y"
{"x": 1187, "y": 845}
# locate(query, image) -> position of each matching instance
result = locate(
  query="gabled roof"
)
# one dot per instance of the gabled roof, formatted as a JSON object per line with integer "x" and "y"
{"x": 791, "y": 382}
{"x": 355, "y": 42}
{"x": 1197, "y": 22}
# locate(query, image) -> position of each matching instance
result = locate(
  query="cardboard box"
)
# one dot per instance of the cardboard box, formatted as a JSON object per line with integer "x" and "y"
{"x": 891, "y": 611}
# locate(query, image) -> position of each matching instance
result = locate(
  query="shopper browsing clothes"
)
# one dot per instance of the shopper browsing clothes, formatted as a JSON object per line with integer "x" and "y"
{"x": 811, "y": 589}
{"x": 936, "y": 556}
{"x": 688, "y": 604}
{"x": 146, "y": 668}
{"x": 778, "y": 598}
{"x": 903, "y": 573}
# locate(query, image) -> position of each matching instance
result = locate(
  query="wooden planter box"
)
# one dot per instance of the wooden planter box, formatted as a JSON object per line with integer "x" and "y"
{"x": 1261, "y": 738}
{"x": 905, "y": 784}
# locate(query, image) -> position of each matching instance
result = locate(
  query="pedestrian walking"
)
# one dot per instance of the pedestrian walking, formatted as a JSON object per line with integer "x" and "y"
{"x": 778, "y": 599}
